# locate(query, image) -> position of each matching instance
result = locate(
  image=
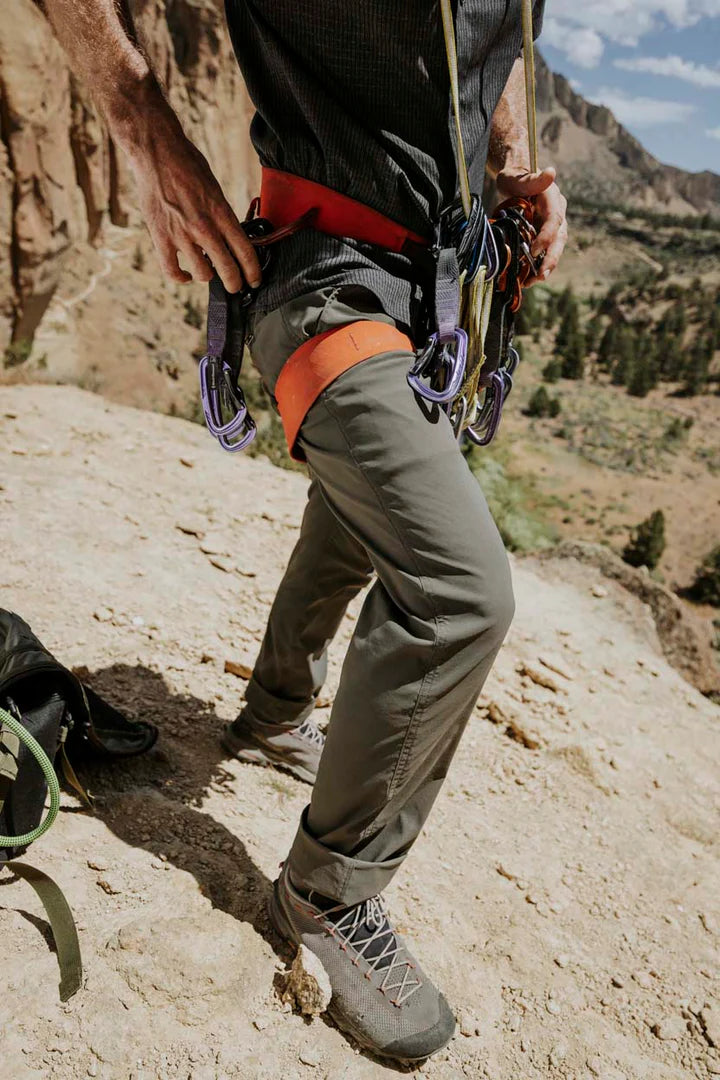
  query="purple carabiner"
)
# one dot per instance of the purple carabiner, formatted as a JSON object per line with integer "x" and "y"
{"x": 485, "y": 428}
{"x": 455, "y": 360}
{"x": 216, "y": 389}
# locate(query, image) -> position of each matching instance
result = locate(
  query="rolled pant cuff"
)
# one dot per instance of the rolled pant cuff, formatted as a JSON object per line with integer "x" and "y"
{"x": 271, "y": 709}
{"x": 312, "y": 865}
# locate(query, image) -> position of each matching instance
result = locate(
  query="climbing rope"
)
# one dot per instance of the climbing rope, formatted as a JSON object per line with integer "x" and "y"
{"x": 17, "y": 729}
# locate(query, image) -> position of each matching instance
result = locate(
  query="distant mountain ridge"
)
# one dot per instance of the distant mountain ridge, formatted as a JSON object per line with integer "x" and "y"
{"x": 599, "y": 160}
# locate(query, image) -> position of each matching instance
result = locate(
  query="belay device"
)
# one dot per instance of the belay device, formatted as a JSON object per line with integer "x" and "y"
{"x": 479, "y": 265}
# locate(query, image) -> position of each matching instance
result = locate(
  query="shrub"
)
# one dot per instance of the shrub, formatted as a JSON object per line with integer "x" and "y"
{"x": 552, "y": 370}
{"x": 705, "y": 589}
{"x": 17, "y": 353}
{"x": 541, "y": 404}
{"x": 648, "y": 542}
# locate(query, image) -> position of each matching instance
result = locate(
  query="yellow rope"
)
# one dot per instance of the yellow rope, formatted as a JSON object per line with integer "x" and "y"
{"x": 451, "y": 52}
{"x": 529, "y": 66}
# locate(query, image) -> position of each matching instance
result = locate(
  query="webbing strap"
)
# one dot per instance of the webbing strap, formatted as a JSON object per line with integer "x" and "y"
{"x": 217, "y": 319}
{"x": 320, "y": 360}
{"x": 62, "y": 924}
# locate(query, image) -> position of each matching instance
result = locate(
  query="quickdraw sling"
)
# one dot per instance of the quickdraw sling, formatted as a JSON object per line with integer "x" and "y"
{"x": 479, "y": 266}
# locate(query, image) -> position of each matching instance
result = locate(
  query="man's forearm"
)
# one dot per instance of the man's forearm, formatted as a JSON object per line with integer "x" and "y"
{"x": 508, "y": 150}
{"x": 97, "y": 36}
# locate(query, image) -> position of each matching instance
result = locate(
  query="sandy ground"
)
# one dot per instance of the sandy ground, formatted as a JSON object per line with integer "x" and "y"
{"x": 565, "y": 893}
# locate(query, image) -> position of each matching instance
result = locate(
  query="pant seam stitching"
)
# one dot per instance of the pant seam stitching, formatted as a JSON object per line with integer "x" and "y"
{"x": 426, "y": 682}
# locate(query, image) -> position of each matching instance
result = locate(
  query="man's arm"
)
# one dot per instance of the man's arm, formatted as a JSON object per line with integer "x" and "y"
{"x": 182, "y": 202}
{"x": 509, "y": 163}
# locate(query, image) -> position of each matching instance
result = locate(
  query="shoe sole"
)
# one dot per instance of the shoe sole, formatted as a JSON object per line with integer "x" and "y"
{"x": 253, "y": 755}
{"x": 285, "y": 930}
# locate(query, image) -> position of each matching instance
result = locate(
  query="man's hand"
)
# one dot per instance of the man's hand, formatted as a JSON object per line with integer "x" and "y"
{"x": 550, "y": 206}
{"x": 187, "y": 214}
{"x": 183, "y": 205}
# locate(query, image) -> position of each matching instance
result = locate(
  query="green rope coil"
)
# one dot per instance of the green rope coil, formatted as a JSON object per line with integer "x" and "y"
{"x": 8, "y": 721}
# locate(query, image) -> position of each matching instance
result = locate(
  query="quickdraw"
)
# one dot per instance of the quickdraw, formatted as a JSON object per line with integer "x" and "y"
{"x": 481, "y": 266}
{"x": 223, "y": 402}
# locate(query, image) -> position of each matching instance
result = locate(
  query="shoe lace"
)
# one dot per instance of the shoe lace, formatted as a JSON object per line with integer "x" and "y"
{"x": 389, "y": 955}
{"x": 309, "y": 731}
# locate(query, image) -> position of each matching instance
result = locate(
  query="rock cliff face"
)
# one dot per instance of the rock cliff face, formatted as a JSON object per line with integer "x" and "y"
{"x": 61, "y": 179}
{"x": 600, "y": 160}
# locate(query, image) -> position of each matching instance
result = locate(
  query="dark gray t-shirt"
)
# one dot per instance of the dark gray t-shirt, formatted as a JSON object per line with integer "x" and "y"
{"x": 355, "y": 95}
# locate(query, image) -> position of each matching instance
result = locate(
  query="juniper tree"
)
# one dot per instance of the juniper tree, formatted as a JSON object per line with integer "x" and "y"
{"x": 647, "y": 544}
{"x": 705, "y": 589}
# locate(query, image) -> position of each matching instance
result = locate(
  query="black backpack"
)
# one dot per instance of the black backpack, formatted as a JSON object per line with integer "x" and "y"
{"x": 48, "y": 718}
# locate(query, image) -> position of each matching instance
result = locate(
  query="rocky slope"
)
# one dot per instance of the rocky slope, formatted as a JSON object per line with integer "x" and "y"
{"x": 565, "y": 891}
{"x": 601, "y": 161}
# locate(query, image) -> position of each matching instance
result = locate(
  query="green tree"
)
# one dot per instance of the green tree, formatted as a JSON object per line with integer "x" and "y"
{"x": 705, "y": 589}
{"x": 529, "y": 316}
{"x": 697, "y": 369}
{"x": 647, "y": 544}
{"x": 541, "y": 404}
{"x": 569, "y": 342}
{"x": 573, "y": 361}
{"x": 624, "y": 363}
{"x": 552, "y": 370}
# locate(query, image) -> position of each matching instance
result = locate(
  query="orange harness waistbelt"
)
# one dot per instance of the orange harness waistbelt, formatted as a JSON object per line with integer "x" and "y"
{"x": 319, "y": 361}
{"x": 286, "y": 198}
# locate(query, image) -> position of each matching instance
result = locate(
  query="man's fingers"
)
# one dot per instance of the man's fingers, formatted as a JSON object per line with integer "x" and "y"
{"x": 526, "y": 184}
{"x": 225, "y": 264}
{"x": 236, "y": 239}
{"x": 552, "y": 256}
{"x": 199, "y": 267}
{"x": 551, "y": 226}
{"x": 167, "y": 254}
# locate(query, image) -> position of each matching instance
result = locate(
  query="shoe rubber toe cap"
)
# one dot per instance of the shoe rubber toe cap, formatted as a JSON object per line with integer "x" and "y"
{"x": 424, "y": 1043}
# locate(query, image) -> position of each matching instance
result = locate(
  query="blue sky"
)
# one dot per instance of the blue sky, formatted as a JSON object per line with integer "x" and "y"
{"x": 655, "y": 63}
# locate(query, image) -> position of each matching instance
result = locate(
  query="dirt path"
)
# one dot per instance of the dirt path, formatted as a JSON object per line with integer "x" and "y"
{"x": 566, "y": 892}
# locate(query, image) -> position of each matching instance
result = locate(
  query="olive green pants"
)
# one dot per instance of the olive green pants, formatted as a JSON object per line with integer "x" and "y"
{"x": 392, "y": 496}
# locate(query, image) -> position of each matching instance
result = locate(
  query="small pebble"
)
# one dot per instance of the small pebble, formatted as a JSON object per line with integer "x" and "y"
{"x": 599, "y": 590}
{"x": 673, "y": 1027}
{"x": 309, "y": 1057}
{"x": 558, "y": 1054}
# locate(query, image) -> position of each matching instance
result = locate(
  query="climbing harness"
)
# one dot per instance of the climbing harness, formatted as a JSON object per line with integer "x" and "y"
{"x": 479, "y": 265}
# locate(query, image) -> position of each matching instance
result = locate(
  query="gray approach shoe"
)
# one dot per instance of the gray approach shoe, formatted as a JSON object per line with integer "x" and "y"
{"x": 295, "y": 749}
{"x": 380, "y": 995}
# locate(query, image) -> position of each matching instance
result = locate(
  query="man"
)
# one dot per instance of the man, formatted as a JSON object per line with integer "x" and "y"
{"x": 354, "y": 97}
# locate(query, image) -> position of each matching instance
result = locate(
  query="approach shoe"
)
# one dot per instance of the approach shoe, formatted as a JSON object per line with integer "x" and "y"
{"x": 380, "y": 995}
{"x": 297, "y": 749}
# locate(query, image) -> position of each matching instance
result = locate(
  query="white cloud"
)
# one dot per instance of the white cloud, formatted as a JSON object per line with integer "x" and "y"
{"x": 582, "y": 46}
{"x": 641, "y": 112}
{"x": 626, "y": 21}
{"x": 674, "y": 66}
{"x": 713, "y": 133}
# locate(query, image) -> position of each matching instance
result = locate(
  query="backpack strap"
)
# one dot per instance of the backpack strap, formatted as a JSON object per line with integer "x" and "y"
{"x": 62, "y": 925}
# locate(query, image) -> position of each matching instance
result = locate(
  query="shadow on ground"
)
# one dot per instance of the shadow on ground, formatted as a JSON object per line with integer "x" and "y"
{"x": 152, "y": 801}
